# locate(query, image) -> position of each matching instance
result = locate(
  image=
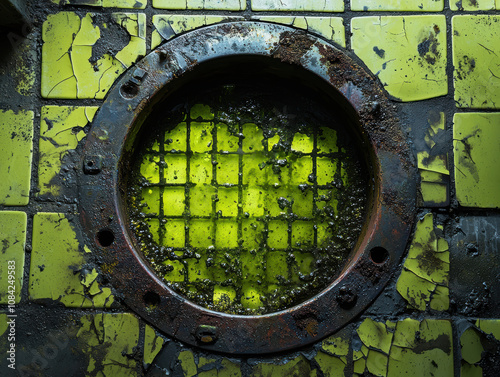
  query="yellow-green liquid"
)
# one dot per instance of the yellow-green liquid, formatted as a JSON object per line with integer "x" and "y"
{"x": 244, "y": 217}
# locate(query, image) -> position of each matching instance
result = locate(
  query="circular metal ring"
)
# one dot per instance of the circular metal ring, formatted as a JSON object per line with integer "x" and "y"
{"x": 380, "y": 246}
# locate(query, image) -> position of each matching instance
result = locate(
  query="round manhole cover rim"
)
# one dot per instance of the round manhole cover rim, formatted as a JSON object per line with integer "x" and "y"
{"x": 382, "y": 242}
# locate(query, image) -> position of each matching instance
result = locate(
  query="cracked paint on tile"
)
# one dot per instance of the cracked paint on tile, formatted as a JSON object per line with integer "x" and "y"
{"x": 70, "y": 67}
{"x": 16, "y": 148}
{"x": 480, "y": 348}
{"x": 476, "y": 54}
{"x": 407, "y": 54}
{"x": 472, "y": 5}
{"x": 110, "y": 343}
{"x": 61, "y": 129}
{"x": 12, "y": 242}
{"x": 166, "y": 27}
{"x": 433, "y": 163}
{"x": 330, "y": 28}
{"x": 332, "y": 356}
{"x": 218, "y": 368}
{"x": 200, "y": 4}
{"x": 152, "y": 345}
{"x": 371, "y": 347}
{"x": 476, "y": 138}
{"x": 423, "y": 282}
{"x": 126, "y": 4}
{"x": 422, "y": 349}
{"x": 298, "y": 5}
{"x": 58, "y": 268}
{"x": 401, "y": 5}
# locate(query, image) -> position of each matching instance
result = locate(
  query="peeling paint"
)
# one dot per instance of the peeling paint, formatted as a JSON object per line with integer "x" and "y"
{"x": 109, "y": 341}
{"x": 414, "y": 64}
{"x": 167, "y": 27}
{"x": 330, "y": 28}
{"x": 433, "y": 163}
{"x": 68, "y": 68}
{"x": 152, "y": 345}
{"x": 58, "y": 269}
{"x": 423, "y": 282}
{"x": 62, "y": 128}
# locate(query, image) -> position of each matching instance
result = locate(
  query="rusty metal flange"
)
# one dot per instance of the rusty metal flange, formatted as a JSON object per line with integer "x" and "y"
{"x": 380, "y": 246}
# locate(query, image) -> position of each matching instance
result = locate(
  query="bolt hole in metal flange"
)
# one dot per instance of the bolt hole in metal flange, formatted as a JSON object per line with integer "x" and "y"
{"x": 151, "y": 299}
{"x": 379, "y": 255}
{"x": 105, "y": 237}
{"x": 231, "y": 174}
{"x": 129, "y": 90}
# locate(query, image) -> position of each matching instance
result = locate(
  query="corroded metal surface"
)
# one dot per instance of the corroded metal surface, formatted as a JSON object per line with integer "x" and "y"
{"x": 385, "y": 233}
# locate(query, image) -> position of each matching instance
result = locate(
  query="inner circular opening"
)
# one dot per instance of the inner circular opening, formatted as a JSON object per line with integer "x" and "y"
{"x": 247, "y": 187}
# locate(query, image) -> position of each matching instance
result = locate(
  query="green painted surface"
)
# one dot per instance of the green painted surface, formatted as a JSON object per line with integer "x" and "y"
{"x": 57, "y": 269}
{"x": 61, "y": 130}
{"x": 127, "y": 4}
{"x": 108, "y": 341}
{"x": 422, "y": 349}
{"x": 476, "y": 137}
{"x": 423, "y": 282}
{"x": 398, "y": 5}
{"x": 16, "y": 133}
{"x": 330, "y": 28}
{"x": 475, "y": 59}
{"x": 152, "y": 345}
{"x": 69, "y": 69}
{"x": 233, "y": 5}
{"x": 433, "y": 163}
{"x": 472, "y": 5}
{"x": 13, "y": 236}
{"x": 298, "y": 5}
{"x": 408, "y": 54}
{"x": 168, "y": 26}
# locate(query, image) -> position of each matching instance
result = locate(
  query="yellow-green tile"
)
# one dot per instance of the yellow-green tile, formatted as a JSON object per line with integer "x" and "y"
{"x": 166, "y": 27}
{"x": 152, "y": 345}
{"x": 61, "y": 129}
{"x": 127, "y": 4}
{"x": 106, "y": 340}
{"x": 12, "y": 238}
{"x": 408, "y": 54}
{"x": 476, "y": 141}
{"x": 422, "y": 349}
{"x": 398, "y": 5}
{"x": 200, "y": 4}
{"x": 68, "y": 70}
{"x": 57, "y": 270}
{"x": 475, "y": 59}
{"x": 16, "y": 133}
{"x": 298, "y": 5}
{"x": 472, "y": 5}
{"x": 330, "y": 28}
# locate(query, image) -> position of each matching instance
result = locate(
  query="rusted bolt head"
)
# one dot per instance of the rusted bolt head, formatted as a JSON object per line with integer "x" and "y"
{"x": 346, "y": 297}
{"x": 206, "y": 334}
